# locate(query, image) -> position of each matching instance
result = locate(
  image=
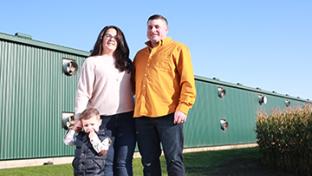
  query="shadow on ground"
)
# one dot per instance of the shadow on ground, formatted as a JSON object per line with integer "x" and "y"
{"x": 244, "y": 167}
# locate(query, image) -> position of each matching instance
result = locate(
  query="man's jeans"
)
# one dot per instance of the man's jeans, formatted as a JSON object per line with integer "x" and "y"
{"x": 153, "y": 131}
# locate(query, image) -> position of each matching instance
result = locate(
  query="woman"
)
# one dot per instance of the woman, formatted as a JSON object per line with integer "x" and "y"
{"x": 105, "y": 84}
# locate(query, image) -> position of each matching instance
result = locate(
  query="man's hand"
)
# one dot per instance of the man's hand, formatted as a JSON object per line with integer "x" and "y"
{"x": 179, "y": 117}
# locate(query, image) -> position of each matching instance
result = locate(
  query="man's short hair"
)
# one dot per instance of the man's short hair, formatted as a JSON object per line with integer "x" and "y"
{"x": 157, "y": 16}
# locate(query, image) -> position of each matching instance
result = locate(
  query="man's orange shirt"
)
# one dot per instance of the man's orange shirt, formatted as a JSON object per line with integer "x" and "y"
{"x": 164, "y": 79}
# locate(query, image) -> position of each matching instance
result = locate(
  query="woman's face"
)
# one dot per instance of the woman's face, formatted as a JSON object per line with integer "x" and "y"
{"x": 109, "y": 41}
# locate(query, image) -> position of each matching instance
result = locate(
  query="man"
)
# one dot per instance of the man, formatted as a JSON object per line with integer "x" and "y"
{"x": 165, "y": 91}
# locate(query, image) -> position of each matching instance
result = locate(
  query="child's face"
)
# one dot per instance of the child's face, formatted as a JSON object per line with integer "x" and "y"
{"x": 93, "y": 123}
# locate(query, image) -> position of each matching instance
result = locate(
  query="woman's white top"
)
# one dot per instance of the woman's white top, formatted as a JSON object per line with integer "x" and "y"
{"x": 102, "y": 86}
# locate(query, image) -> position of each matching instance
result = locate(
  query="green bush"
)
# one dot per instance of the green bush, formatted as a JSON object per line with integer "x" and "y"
{"x": 285, "y": 139}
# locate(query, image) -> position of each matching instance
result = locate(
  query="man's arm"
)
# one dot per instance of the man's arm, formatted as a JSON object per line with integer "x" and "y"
{"x": 187, "y": 81}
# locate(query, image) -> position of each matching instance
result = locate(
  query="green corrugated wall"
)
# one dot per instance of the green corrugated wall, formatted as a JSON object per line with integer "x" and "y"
{"x": 239, "y": 107}
{"x": 35, "y": 92}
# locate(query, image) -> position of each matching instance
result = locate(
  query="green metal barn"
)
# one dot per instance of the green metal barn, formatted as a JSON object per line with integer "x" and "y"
{"x": 38, "y": 88}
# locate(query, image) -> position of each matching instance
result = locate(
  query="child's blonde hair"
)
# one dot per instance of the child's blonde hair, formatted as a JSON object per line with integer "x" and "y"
{"x": 88, "y": 113}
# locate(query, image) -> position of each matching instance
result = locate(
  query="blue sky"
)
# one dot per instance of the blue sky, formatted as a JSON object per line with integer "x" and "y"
{"x": 258, "y": 43}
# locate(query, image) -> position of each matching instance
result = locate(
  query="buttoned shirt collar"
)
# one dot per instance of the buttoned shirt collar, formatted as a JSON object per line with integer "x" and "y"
{"x": 160, "y": 43}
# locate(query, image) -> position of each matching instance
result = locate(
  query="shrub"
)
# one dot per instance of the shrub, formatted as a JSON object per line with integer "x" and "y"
{"x": 285, "y": 139}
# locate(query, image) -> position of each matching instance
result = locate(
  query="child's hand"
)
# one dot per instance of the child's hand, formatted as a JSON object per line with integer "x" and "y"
{"x": 92, "y": 134}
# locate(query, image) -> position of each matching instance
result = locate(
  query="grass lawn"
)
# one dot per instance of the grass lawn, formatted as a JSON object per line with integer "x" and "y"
{"x": 227, "y": 162}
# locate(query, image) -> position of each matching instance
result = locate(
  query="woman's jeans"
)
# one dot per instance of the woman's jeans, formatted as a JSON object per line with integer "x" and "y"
{"x": 153, "y": 131}
{"x": 120, "y": 154}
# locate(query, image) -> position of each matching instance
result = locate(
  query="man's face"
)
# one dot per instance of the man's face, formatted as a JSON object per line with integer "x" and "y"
{"x": 157, "y": 30}
{"x": 93, "y": 123}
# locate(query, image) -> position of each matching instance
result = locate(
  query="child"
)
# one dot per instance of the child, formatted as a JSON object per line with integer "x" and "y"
{"x": 91, "y": 144}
